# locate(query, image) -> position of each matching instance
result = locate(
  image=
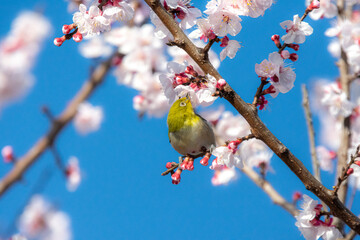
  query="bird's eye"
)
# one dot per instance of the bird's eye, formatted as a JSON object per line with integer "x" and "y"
{"x": 183, "y": 104}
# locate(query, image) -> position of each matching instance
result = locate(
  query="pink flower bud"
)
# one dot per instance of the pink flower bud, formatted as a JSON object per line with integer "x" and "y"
{"x": 7, "y": 154}
{"x": 168, "y": 165}
{"x": 77, "y": 37}
{"x": 315, "y": 4}
{"x": 190, "y": 70}
{"x": 176, "y": 177}
{"x": 296, "y": 196}
{"x": 294, "y": 46}
{"x": 205, "y": 160}
{"x": 138, "y": 99}
{"x": 276, "y": 39}
{"x": 220, "y": 84}
{"x": 332, "y": 154}
{"x": 350, "y": 171}
{"x": 294, "y": 57}
{"x": 357, "y": 163}
{"x": 66, "y": 29}
{"x": 181, "y": 78}
{"x": 59, "y": 41}
{"x": 224, "y": 41}
{"x": 184, "y": 163}
{"x": 285, "y": 54}
{"x": 190, "y": 166}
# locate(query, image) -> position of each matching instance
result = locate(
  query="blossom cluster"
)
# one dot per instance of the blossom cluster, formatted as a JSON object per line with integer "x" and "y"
{"x": 311, "y": 226}
{"x": 18, "y": 51}
{"x": 274, "y": 70}
{"x": 183, "y": 80}
{"x": 228, "y": 128}
{"x": 41, "y": 220}
{"x": 95, "y": 19}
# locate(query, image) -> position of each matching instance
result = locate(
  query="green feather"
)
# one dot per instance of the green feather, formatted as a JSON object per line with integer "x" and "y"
{"x": 181, "y": 115}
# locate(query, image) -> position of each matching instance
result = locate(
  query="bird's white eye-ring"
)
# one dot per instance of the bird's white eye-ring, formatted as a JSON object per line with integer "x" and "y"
{"x": 183, "y": 104}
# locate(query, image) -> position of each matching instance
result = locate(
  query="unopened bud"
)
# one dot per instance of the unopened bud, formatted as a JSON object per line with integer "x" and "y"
{"x": 205, "y": 160}
{"x": 8, "y": 154}
{"x": 315, "y": 4}
{"x": 220, "y": 84}
{"x": 190, "y": 165}
{"x": 176, "y": 177}
{"x": 276, "y": 39}
{"x": 350, "y": 171}
{"x": 294, "y": 57}
{"x": 190, "y": 70}
{"x": 168, "y": 165}
{"x": 294, "y": 46}
{"x": 296, "y": 196}
{"x": 67, "y": 28}
{"x": 77, "y": 37}
{"x": 357, "y": 163}
{"x": 59, "y": 41}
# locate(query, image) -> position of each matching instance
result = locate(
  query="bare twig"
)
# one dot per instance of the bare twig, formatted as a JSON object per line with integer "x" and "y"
{"x": 58, "y": 160}
{"x": 309, "y": 122}
{"x": 258, "y": 127}
{"x": 259, "y": 92}
{"x": 209, "y": 44}
{"x": 59, "y": 123}
{"x": 345, "y": 174}
{"x": 269, "y": 190}
{"x": 174, "y": 166}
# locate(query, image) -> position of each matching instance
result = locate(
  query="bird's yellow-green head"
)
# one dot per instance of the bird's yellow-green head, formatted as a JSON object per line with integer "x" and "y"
{"x": 181, "y": 115}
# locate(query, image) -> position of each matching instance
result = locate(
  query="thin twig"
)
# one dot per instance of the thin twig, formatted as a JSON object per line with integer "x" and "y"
{"x": 39, "y": 187}
{"x": 311, "y": 133}
{"x": 344, "y": 175}
{"x": 60, "y": 122}
{"x": 259, "y": 92}
{"x": 174, "y": 166}
{"x": 58, "y": 160}
{"x": 269, "y": 190}
{"x": 209, "y": 44}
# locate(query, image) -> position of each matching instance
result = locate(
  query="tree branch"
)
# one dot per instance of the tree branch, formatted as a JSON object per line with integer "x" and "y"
{"x": 309, "y": 122}
{"x": 258, "y": 127}
{"x": 58, "y": 124}
{"x": 269, "y": 190}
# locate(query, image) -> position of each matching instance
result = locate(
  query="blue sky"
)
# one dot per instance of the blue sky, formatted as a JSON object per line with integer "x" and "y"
{"x": 123, "y": 195}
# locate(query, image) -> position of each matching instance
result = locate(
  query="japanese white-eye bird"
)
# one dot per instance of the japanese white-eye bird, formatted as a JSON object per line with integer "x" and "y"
{"x": 189, "y": 133}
